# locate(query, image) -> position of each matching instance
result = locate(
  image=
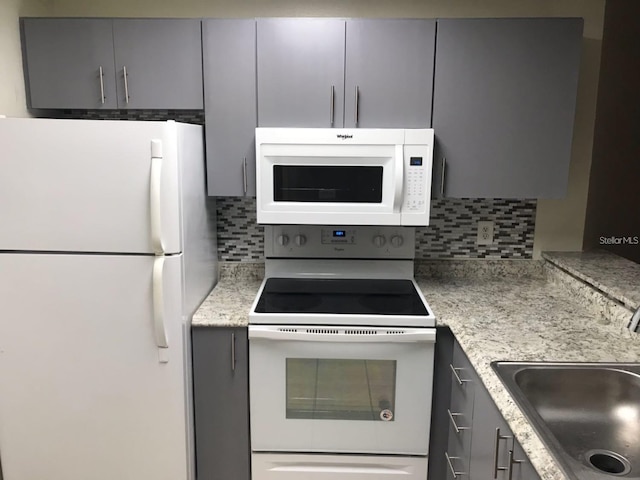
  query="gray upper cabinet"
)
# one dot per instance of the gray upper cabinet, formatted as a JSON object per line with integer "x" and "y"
{"x": 503, "y": 106}
{"x": 389, "y": 73}
{"x": 300, "y": 72}
{"x": 162, "y": 59}
{"x": 351, "y": 73}
{"x": 64, "y": 60}
{"x": 229, "y": 52}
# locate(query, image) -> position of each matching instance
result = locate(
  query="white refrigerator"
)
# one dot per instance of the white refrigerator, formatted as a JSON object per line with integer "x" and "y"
{"x": 107, "y": 248}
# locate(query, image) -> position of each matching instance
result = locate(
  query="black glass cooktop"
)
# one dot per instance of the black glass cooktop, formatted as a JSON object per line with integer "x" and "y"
{"x": 340, "y": 296}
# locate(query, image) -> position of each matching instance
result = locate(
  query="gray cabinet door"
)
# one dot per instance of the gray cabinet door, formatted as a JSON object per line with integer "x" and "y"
{"x": 491, "y": 440}
{"x": 163, "y": 63}
{"x": 300, "y": 72}
{"x": 503, "y": 105}
{"x": 221, "y": 403}
{"x": 389, "y": 73}
{"x": 229, "y": 58}
{"x": 63, "y": 59}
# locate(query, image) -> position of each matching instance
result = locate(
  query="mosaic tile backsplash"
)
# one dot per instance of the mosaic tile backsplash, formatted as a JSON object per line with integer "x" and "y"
{"x": 185, "y": 116}
{"x": 452, "y": 233}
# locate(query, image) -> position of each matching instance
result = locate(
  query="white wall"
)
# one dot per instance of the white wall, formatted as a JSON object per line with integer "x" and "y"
{"x": 559, "y": 223}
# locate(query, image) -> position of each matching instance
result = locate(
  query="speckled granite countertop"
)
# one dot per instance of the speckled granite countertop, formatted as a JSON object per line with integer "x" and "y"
{"x": 524, "y": 320}
{"x": 507, "y": 318}
{"x": 613, "y": 275}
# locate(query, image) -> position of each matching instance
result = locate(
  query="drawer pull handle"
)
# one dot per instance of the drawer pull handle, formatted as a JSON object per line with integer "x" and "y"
{"x": 245, "y": 184}
{"x": 126, "y": 84}
{"x": 102, "y": 97}
{"x": 512, "y": 462}
{"x": 496, "y": 468}
{"x": 457, "y": 428}
{"x": 357, "y": 107}
{"x": 455, "y": 374}
{"x": 453, "y": 470}
{"x": 233, "y": 352}
{"x": 332, "y": 94}
{"x": 444, "y": 169}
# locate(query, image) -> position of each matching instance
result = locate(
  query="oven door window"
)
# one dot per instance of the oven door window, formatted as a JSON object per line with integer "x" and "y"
{"x": 340, "y": 389}
{"x": 327, "y": 183}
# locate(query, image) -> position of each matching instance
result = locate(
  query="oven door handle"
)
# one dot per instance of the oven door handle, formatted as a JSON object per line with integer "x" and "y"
{"x": 341, "y": 335}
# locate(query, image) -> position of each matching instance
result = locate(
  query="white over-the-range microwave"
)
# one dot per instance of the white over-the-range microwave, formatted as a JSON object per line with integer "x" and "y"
{"x": 327, "y": 176}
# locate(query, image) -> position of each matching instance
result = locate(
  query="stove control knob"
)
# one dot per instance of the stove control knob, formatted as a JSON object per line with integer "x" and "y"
{"x": 300, "y": 240}
{"x": 397, "y": 241}
{"x": 379, "y": 241}
{"x": 283, "y": 240}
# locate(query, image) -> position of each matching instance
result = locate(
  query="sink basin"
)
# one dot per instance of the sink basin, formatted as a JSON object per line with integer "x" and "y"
{"x": 588, "y": 414}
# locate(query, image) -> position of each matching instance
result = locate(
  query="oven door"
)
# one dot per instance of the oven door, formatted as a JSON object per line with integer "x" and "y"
{"x": 328, "y": 184}
{"x": 345, "y": 390}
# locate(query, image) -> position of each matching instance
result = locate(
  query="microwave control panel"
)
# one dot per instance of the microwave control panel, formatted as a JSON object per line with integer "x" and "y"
{"x": 336, "y": 241}
{"x": 417, "y": 182}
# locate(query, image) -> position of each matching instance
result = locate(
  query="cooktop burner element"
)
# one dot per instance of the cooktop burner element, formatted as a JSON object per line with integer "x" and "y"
{"x": 340, "y": 296}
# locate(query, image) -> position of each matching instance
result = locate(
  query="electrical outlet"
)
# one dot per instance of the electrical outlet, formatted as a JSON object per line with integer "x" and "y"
{"x": 485, "y": 233}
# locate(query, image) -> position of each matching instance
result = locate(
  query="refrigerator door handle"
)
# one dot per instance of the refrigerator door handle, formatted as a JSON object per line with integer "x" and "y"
{"x": 158, "y": 310}
{"x": 156, "y": 197}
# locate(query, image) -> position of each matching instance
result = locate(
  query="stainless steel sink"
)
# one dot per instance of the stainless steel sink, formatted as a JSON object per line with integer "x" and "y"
{"x": 588, "y": 414}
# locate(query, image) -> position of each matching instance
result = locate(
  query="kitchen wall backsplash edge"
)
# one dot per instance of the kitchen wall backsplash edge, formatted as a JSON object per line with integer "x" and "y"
{"x": 446, "y": 269}
{"x": 606, "y": 310}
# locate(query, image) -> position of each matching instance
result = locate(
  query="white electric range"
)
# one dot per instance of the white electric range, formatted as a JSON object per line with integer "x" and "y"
{"x": 341, "y": 347}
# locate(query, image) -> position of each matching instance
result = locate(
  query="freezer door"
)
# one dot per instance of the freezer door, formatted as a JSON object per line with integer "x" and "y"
{"x": 83, "y": 394}
{"x": 89, "y": 186}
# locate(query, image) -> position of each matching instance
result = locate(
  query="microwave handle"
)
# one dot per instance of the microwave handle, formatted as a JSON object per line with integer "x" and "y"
{"x": 423, "y": 335}
{"x": 399, "y": 186}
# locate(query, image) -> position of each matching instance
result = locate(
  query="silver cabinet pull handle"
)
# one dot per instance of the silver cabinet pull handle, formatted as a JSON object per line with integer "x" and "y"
{"x": 496, "y": 468}
{"x": 444, "y": 168}
{"x": 102, "y": 97}
{"x": 126, "y": 85}
{"x": 244, "y": 175}
{"x": 457, "y": 428}
{"x": 331, "y": 105}
{"x": 512, "y": 462}
{"x": 455, "y": 374}
{"x": 357, "y": 107}
{"x": 233, "y": 352}
{"x": 453, "y": 470}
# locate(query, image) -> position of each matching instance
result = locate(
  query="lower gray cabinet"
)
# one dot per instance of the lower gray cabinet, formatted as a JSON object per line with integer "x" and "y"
{"x": 481, "y": 446}
{"x": 221, "y": 403}
{"x": 460, "y": 413}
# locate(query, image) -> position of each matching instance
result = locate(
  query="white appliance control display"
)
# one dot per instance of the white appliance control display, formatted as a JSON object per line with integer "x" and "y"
{"x": 338, "y": 236}
{"x": 417, "y": 168}
{"x": 310, "y": 241}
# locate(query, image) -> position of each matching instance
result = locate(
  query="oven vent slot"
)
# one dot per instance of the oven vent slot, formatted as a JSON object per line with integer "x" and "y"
{"x": 323, "y": 331}
{"x": 361, "y": 332}
{"x": 395, "y": 332}
{"x": 290, "y": 330}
